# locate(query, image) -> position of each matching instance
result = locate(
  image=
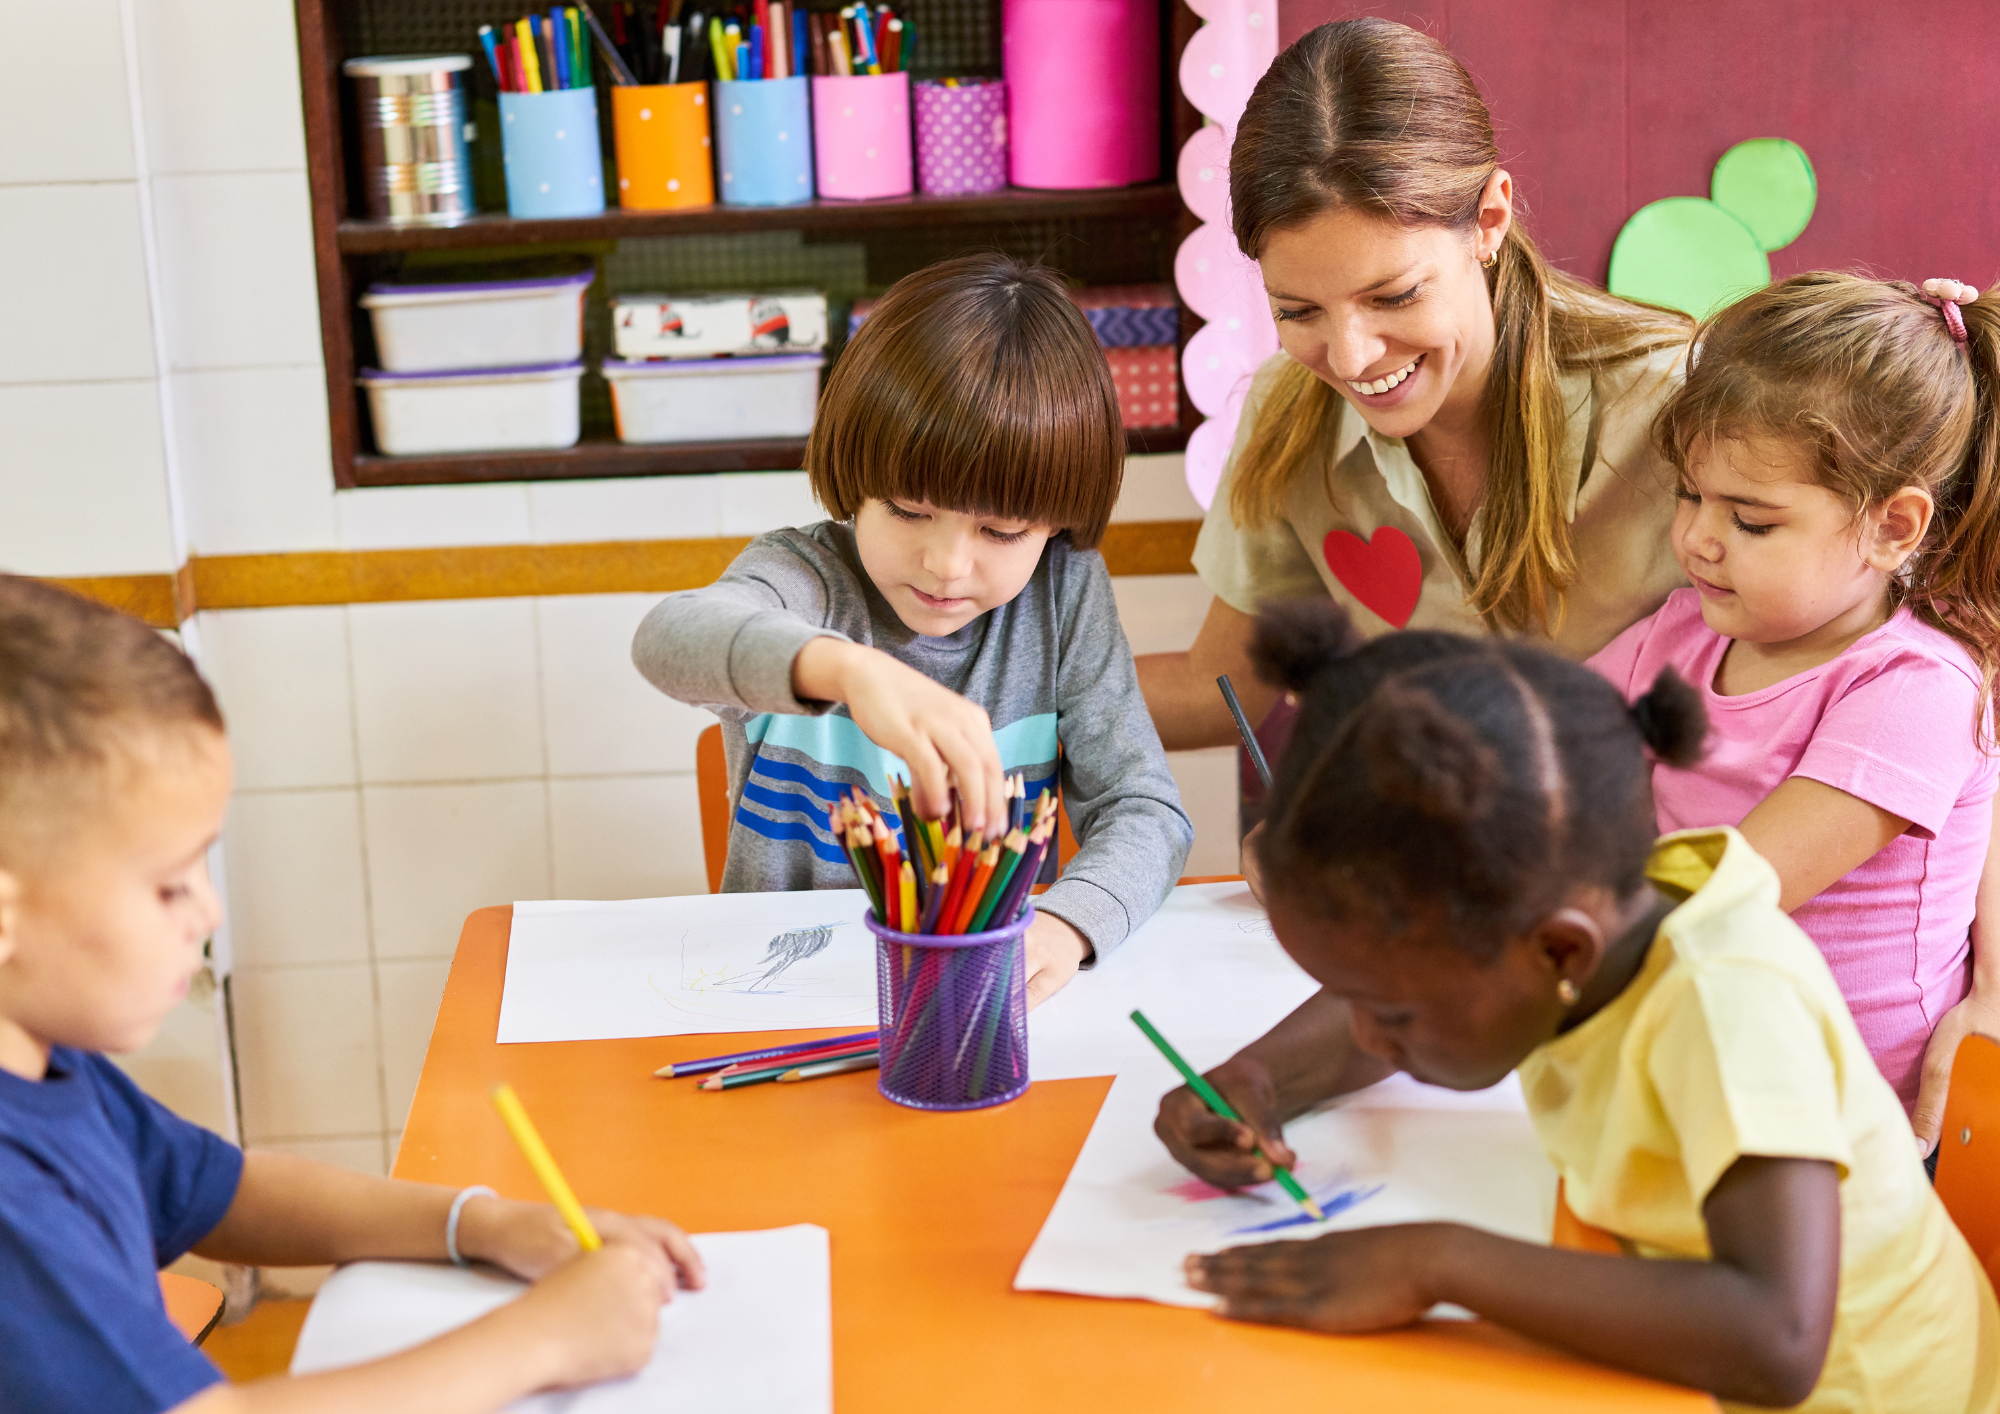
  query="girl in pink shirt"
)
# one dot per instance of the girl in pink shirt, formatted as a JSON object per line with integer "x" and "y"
{"x": 1838, "y": 446}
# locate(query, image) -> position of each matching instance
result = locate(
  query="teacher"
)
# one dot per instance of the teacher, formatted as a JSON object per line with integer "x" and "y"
{"x": 1454, "y": 435}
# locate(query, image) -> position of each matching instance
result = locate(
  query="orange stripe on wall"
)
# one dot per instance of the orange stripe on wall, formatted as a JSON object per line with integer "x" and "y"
{"x": 506, "y": 572}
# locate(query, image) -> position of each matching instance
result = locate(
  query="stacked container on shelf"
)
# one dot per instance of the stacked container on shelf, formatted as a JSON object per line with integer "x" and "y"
{"x": 716, "y": 367}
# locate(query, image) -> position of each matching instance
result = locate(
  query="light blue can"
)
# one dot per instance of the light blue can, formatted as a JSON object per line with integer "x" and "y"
{"x": 763, "y": 142}
{"x": 549, "y": 144}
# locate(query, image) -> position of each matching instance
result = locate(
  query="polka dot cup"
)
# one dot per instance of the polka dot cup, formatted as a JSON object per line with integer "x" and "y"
{"x": 548, "y": 146}
{"x": 861, "y": 135}
{"x": 763, "y": 141}
{"x": 961, "y": 137}
{"x": 663, "y": 146}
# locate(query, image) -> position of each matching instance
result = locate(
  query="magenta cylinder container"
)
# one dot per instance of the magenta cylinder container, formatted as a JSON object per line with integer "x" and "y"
{"x": 861, "y": 135}
{"x": 954, "y": 1015}
{"x": 961, "y": 136}
{"x": 1083, "y": 92}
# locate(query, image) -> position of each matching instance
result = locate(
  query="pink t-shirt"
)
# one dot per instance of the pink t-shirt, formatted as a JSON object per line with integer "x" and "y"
{"x": 1890, "y": 721}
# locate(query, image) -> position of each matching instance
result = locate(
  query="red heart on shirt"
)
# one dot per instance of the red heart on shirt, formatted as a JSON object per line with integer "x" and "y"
{"x": 1385, "y": 572}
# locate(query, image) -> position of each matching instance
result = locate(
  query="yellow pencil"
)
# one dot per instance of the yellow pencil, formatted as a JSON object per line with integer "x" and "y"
{"x": 539, "y": 1159}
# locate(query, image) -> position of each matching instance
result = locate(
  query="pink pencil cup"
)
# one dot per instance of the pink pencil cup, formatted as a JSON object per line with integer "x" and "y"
{"x": 961, "y": 136}
{"x": 861, "y": 135}
{"x": 1083, "y": 92}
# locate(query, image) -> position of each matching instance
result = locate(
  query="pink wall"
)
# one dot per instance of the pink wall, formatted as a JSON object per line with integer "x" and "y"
{"x": 1604, "y": 105}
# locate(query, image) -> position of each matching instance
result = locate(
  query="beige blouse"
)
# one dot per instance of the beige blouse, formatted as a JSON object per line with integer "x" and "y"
{"x": 1621, "y": 509}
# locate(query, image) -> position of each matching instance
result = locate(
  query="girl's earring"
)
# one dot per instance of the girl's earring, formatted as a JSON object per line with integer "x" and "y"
{"x": 1566, "y": 992}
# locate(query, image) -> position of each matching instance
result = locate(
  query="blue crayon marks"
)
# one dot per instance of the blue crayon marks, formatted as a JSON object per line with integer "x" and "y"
{"x": 1333, "y": 1203}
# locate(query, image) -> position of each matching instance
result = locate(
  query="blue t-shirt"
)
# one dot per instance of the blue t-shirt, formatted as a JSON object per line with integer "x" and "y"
{"x": 100, "y": 1186}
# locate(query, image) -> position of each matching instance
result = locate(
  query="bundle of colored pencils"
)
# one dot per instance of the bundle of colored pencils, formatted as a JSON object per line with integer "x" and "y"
{"x": 801, "y": 1060}
{"x": 540, "y": 53}
{"x": 931, "y": 876}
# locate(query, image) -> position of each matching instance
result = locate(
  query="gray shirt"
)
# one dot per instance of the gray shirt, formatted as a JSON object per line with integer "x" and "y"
{"x": 1050, "y": 667}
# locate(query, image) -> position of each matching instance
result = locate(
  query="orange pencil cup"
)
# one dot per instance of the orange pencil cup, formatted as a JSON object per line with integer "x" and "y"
{"x": 663, "y": 146}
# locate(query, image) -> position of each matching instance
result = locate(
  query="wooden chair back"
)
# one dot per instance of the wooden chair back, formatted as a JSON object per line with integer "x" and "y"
{"x": 1968, "y": 1171}
{"x": 711, "y": 784}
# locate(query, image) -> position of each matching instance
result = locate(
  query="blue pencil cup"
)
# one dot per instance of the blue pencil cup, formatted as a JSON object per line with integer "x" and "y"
{"x": 763, "y": 142}
{"x": 548, "y": 142}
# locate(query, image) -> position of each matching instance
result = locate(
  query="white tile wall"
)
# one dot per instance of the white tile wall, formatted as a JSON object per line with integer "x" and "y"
{"x": 310, "y": 1064}
{"x": 297, "y": 889}
{"x": 446, "y": 691}
{"x": 238, "y": 248}
{"x": 252, "y": 455}
{"x": 1155, "y": 488}
{"x": 601, "y": 717}
{"x": 83, "y": 486}
{"x": 435, "y": 853}
{"x": 1207, "y": 780}
{"x": 417, "y": 517}
{"x": 1161, "y": 612}
{"x": 627, "y": 508}
{"x": 626, "y": 837}
{"x": 361, "y": 1153}
{"x": 756, "y": 501}
{"x": 219, "y": 83}
{"x": 74, "y": 305}
{"x": 409, "y": 993}
{"x": 282, "y": 676}
{"x": 65, "y": 121}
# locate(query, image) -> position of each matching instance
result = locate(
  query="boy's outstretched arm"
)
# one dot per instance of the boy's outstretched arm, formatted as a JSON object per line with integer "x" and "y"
{"x": 594, "y": 1318}
{"x": 1751, "y": 1324}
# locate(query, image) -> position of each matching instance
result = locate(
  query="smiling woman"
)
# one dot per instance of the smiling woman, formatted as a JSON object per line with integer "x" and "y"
{"x": 1454, "y": 435}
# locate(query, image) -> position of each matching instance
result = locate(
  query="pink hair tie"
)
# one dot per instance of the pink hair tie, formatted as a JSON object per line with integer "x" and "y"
{"x": 1953, "y": 320}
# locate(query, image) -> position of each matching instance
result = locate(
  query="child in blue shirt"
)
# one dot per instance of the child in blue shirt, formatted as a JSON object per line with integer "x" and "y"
{"x": 114, "y": 773}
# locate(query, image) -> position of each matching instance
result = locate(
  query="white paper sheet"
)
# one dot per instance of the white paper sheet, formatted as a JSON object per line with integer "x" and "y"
{"x": 1205, "y": 969}
{"x": 757, "y": 1340}
{"x": 1396, "y": 1152}
{"x": 688, "y": 966}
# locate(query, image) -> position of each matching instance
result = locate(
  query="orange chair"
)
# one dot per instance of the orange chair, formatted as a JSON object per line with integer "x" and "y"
{"x": 192, "y": 1305}
{"x": 711, "y": 785}
{"x": 1968, "y": 1171}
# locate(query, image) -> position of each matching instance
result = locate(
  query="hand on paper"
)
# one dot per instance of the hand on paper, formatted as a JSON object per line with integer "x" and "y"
{"x": 1220, "y": 1151}
{"x": 1055, "y": 952}
{"x": 944, "y": 739}
{"x": 598, "y": 1311}
{"x": 530, "y": 1240}
{"x": 1366, "y": 1280}
{"x": 1980, "y": 1012}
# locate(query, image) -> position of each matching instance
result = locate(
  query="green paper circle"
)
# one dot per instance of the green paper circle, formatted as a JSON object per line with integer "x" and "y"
{"x": 1688, "y": 253}
{"x": 1767, "y": 183}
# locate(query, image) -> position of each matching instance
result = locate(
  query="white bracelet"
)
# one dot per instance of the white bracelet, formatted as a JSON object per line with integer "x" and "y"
{"x": 478, "y": 1190}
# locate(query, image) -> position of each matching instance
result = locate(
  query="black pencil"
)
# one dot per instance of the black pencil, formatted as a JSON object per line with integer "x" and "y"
{"x": 1243, "y": 725}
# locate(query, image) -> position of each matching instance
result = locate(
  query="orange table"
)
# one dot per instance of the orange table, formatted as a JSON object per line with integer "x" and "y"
{"x": 930, "y": 1215}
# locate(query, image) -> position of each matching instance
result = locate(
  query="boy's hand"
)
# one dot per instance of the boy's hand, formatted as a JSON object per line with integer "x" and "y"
{"x": 942, "y": 737}
{"x": 531, "y": 1240}
{"x": 1220, "y": 1151}
{"x": 1055, "y": 952}
{"x": 598, "y": 1314}
{"x": 1977, "y": 1012}
{"x": 1366, "y": 1280}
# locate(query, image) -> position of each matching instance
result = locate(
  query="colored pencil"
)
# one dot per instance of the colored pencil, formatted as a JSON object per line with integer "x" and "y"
{"x": 544, "y": 1164}
{"x": 840, "y": 1067}
{"x": 809, "y": 1057}
{"x": 1213, "y": 1099}
{"x": 1243, "y": 729}
{"x": 531, "y": 63}
{"x": 696, "y": 1067}
{"x": 754, "y": 1077}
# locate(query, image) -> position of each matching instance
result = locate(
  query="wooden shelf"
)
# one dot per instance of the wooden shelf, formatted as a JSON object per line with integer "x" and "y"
{"x": 1152, "y": 199}
{"x": 595, "y": 458}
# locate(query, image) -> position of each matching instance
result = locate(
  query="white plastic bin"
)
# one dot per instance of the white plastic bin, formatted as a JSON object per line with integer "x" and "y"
{"x": 704, "y": 326}
{"x": 473, "y": 410}
{"x": 715, "y": 399}
{"x": 481, "y": 324}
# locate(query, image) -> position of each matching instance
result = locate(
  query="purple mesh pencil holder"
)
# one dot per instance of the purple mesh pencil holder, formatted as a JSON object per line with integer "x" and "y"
{"x": 961, "y": 136}
{"x": 954, "y": 1015}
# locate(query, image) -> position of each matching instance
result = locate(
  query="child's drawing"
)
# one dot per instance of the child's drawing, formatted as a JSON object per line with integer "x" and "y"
{"x": 787, "y": 948}
{"x": 785, "y": 979}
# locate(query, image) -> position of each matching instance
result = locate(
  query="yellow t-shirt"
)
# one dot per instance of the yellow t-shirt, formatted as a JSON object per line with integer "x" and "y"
{"x": 1733, "y": 1040}
{"x": 1621, "y": 508}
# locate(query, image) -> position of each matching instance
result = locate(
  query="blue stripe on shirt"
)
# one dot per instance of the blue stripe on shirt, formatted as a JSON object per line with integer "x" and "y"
{"x": 790, "y": 830}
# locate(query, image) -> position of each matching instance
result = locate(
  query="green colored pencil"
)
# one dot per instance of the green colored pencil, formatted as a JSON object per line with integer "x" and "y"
{"x": 1215, "y": 1102}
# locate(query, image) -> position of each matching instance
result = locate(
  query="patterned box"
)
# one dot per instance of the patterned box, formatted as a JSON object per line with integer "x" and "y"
{"x": 1148, "y": 385}
{"x": 1132, "y": 316}
{"x": 961, "y": 136}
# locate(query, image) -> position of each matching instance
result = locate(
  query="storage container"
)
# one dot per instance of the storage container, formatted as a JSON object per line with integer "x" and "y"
{"x": 548, "y": 144}
{"x": 714, "y": 400}
{"x": 763, "y": 142}
{"x": 1083, "y": 92}
{"x": 412, "y": 117}
{"x": 961, "y": 136}
{"x": 473, "y": 410}
{"x": 478, "y": 324}
{"x": 861, "y": 135}
{"x": 706, "y": 325}
{"x": 661, "y": 130}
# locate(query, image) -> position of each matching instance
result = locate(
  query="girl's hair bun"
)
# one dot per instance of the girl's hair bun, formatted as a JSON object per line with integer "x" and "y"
{"x": 1671, "y": 719}
{"x": 1296, "y": 639}
{"x": 1426, "y": 760}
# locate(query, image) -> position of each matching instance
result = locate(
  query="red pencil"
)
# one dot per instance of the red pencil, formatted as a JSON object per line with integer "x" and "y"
{"x": 811, "y": 1057}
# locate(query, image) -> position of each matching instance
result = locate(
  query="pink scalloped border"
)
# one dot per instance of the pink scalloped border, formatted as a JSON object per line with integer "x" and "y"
{"x": 1221, "y": 64}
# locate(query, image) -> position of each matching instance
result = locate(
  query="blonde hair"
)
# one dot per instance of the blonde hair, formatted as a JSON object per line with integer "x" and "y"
{"x": 1377, "y": 117}
{"x": 976, "y": 385}
{"x": 1865, "y": 378}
